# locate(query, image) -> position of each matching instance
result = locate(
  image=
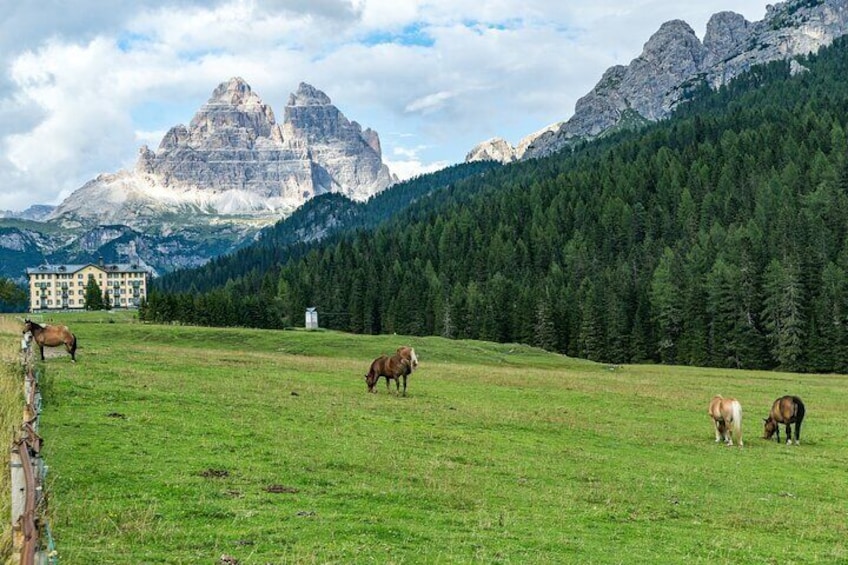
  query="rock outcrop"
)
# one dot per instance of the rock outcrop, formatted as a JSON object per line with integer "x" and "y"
{"x": 495, "y": 149}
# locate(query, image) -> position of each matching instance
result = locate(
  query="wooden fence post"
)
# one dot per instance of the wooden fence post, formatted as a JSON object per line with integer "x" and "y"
{"x": 18, "y": 496}
{"x": 28, "y": 470}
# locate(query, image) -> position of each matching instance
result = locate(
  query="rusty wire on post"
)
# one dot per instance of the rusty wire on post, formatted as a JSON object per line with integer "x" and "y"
{"x": 27, "y": 473}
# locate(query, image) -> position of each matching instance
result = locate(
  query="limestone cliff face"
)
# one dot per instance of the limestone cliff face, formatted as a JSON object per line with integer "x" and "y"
{"x": 235, "y": 159}
{"x": 348, "y": 160}
{"x": 674, "y": 61}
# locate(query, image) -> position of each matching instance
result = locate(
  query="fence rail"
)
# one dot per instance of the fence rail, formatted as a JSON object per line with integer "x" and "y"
{"x": 29, "y": 525}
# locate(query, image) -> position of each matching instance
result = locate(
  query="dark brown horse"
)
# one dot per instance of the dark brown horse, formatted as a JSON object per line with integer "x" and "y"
{"x": 785, "y": 410}
{"x": 400, "y": 365}
{"x": 52, "y": 336}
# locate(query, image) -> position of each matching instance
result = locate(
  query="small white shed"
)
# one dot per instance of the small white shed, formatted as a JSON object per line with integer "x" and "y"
{"x": 311, "y": 318}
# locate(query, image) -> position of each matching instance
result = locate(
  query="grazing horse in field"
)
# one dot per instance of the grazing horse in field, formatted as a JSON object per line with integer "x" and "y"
{"x": 727, "y": 417}
{"x": 401, "y": 364}
{"x": 785, "y": 410}
{"x": 52, "y": 336}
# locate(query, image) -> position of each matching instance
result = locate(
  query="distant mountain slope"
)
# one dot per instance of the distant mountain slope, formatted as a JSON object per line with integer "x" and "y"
{"x": 717, "y": 237}
{"x": 674, "y": 63}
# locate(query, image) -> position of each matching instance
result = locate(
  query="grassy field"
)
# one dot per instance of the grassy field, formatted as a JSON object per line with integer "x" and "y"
{"x": 174, "y": 445}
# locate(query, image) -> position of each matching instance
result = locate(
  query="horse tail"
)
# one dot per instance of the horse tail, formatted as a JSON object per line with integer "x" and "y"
{"x": 736, "y": 420}
{"x": 73, "y": 346}
{"x": 800, "y": 410}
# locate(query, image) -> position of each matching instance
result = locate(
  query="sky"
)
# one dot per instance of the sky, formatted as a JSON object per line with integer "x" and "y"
{"x": 85, "y": 84}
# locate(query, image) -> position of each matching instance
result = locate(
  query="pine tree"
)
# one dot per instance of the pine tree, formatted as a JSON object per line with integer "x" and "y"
{"x": 93, "y": 295}
{"x": 667, "y": 307}
{"x": 782, "y": 315}
{"x": 544, "y": 333}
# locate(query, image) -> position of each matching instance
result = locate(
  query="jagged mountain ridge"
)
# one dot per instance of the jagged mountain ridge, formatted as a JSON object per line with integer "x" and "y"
{"x": 673, "y": 63}
{"x": 235, "y": 159}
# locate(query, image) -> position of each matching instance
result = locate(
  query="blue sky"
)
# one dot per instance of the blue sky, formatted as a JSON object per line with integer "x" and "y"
{"x": 84, "y": 84}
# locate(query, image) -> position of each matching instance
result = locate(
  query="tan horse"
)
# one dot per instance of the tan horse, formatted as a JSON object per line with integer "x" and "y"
{"x": 408, "y": 353}
{"x": 52, "y": 336}
{"x": 726, "y": 414}
{"x": 785, "y": 410}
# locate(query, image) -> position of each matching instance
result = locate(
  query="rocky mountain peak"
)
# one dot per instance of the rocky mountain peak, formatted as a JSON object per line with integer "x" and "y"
{"x": 673, "y": 38}
{"x": 308, "y": 95}
{"x": 234, "y": 92}
{"x": 727, "y": 33}
{"x": 235, "y": 159}
{"x": 495, "y": 149}
{"x": 232, "y": 106}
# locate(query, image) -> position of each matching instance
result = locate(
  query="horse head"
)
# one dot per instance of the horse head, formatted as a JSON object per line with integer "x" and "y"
{"x": 769, "y": 427}
{"x": 370, "y": 381}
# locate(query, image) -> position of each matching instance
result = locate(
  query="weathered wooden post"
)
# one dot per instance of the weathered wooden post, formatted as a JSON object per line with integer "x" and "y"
{"x": 18, "y": 496}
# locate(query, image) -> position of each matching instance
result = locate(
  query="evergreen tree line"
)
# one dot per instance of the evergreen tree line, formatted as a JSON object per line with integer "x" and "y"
{"x": 319, "y": 218}
{"x": 718, "y": 237}
{"x": 13, "y": 298}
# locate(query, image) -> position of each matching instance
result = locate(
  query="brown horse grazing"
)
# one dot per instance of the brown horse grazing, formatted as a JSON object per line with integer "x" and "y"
{"x": 52, "y": 336}
{"x": 785, "y": 410}
{"x": 726, "y": 412}
{"x": 393, "y": 367}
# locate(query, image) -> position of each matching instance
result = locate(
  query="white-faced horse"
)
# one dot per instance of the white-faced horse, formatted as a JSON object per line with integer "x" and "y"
{"x": 398, "y": 366}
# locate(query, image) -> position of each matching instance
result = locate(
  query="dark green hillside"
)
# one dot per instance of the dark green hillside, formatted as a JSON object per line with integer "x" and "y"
{"x": 718, "y": 237}
{"x": 318, "y": 219}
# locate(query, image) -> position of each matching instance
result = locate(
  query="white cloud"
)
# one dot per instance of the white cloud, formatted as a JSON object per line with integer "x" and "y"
{"x": 407, "y": 169}
{"x": 84, "y": 84}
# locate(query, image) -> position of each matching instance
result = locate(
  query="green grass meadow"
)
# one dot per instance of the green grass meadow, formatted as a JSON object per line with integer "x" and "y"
{"x": 170, "y": 444}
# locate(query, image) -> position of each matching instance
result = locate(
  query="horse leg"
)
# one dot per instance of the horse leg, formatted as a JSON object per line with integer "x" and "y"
{"x": 404, "y": 385}
{"x": 789, "y": 433}
{"x": 41, "y": 348}
{"x": 722, "y": 433}
{"x": 718, "y": 434}
{"x": 797, "y": 433}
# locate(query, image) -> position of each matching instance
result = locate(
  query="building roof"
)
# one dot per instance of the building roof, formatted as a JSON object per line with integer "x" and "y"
{"x": 70, "y": 269}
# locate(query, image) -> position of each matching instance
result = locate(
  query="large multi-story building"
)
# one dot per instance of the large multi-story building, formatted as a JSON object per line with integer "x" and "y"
{"x": 62, "y": 287}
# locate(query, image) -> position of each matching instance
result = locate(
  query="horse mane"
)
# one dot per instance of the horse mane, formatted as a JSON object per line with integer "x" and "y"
{"x": 408, "y": 354}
